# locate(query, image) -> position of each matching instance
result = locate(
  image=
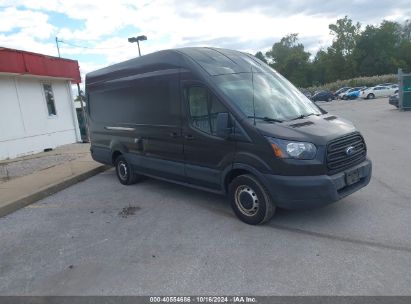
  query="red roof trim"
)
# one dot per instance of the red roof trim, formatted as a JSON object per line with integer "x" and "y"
{"x": 22, "y": 62}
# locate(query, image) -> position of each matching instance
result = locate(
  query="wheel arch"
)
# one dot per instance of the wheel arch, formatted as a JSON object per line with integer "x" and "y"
{"x": 117, "y": 149}
{"x": 238, "y": 169}
{"x": 115, "y": 155}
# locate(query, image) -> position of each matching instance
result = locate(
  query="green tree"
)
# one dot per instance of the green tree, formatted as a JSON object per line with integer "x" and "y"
{"x": 321, "y": 68}
{"x": 404, "y": 49}
{"x": 80, "y": 97}
{"x": 406, "y": 30}
{"x": 290, "y": 59}
{"x": 377, "y": 49}
{"x": 261, "y": 56}
{"x": 345, "y": 34}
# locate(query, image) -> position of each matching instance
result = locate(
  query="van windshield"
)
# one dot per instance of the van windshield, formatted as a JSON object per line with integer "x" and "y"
{"x": 274, "y": 96}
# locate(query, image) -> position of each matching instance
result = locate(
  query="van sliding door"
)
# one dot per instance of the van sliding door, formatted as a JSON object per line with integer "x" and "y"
{"x": 158, "y": 126}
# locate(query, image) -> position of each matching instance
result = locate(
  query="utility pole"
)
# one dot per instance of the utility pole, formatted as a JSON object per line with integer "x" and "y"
{"x": 57, "y": 44}
{"x": 85, "y": 119}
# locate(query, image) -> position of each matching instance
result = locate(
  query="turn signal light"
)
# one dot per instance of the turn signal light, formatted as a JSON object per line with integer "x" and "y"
{"x": 277, "y": 151}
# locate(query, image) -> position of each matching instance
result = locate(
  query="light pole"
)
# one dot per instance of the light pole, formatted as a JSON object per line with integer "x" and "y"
{"x": 137, "y": 39}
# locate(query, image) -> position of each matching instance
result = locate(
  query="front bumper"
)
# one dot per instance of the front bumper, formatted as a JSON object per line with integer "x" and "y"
{"x": 393, "y": 102}
{"x": 305, "y": 192}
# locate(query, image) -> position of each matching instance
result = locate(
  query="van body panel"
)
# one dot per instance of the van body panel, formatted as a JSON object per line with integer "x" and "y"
{"x": 205, "y": 159}
{"x": 101, "y": 154}
{"x": 157, "y": 167}
{"x": 160, "y": 112}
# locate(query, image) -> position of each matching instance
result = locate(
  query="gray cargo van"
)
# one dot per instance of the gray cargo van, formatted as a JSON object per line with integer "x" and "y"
{"x": 223, "y": 121}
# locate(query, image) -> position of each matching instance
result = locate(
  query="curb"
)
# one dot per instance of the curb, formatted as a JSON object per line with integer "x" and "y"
{"x": 49, "y": 190}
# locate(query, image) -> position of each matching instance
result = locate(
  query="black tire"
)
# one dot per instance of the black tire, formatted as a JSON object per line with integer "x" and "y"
{"x": 329, "y": 99}
{"x": 125, "y": 172}
{"x": 256, "y": 206}
{"x": 345, "y": 97}
{"x": 370, "y": 96}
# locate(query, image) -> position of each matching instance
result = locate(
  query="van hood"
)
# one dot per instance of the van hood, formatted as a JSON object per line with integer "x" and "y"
{"x": 318, "y": 130}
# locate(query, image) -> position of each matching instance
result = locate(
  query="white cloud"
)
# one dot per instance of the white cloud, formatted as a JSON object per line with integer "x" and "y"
{"x": 24, "y": 41}
{"x": 165, "y": 28}
{"x": 34, "y": 24}
{"x": 162, "y": 20}
{"x": 245, "y": 25}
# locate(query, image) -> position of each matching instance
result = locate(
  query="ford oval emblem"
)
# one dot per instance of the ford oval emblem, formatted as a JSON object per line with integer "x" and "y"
{"x": 350, "y": 150}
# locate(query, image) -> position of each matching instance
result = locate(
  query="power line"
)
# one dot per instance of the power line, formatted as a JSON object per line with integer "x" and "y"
{"x": 91, "y": 48}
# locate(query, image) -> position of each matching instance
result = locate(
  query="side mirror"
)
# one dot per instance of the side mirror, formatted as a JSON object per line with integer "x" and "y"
{"x": 223, "y": 128}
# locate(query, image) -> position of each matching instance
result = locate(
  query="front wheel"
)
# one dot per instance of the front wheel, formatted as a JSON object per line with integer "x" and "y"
{"x": 250, "y": 200}
{"x": 370, "y": 96}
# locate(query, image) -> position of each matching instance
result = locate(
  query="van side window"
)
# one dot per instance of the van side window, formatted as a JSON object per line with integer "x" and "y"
{"x": 215, "y": 107}
{"x": 204, "y": 108}
{"x": 197, "y": 99}
{"x": 148, "y": 100}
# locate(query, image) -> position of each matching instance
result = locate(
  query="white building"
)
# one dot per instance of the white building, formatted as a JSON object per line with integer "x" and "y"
{"x": 37, "y": 111}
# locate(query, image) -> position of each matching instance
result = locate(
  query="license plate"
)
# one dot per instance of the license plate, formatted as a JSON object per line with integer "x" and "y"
{"x": 353, "y": 176}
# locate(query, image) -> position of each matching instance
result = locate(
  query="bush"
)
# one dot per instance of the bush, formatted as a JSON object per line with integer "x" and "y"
{"x": 355, "y": 82}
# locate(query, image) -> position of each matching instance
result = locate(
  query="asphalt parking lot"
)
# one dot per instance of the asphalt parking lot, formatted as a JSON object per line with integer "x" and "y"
{"x": 170, "y": 240}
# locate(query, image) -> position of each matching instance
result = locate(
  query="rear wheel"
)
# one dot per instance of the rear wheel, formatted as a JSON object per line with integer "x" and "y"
{"x": 250, "y": 200}
{"x": 370, "y": 96}
{"x": 125, "y": 172}
{"x": 329, "y": 99}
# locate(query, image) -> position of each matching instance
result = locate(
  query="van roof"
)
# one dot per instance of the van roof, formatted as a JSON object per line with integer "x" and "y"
{"x": 214, "y": 61}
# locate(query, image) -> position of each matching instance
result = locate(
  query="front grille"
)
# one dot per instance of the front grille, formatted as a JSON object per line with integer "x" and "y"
{"x": 337, "y": 158}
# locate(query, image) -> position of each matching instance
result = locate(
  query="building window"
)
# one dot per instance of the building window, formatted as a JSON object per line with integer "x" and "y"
{"x": 48, "y": 93}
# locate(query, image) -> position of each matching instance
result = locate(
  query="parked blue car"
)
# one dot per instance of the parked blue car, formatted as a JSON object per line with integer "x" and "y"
{"x": 353, "y": 93}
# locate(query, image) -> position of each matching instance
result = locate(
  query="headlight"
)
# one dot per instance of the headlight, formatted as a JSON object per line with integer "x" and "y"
{"x": 292, "y": 149}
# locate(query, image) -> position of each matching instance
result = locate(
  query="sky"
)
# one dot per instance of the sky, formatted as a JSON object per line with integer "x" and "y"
{"x": 95, "y": 32}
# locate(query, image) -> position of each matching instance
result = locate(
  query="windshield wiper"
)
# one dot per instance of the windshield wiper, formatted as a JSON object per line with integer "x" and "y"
{"x": 265, "y": 118}
{"x": 303, "y": 116}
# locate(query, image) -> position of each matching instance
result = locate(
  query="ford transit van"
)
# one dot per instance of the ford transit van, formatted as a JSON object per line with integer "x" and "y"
{"x": 223, "y": 121}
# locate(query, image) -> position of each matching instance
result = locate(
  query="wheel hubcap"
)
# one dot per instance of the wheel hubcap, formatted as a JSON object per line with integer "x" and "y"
{"x": 246, "y": 200}
{"x": 122, "y": 170}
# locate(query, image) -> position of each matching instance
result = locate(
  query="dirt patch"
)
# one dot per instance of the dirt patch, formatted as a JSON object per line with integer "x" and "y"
{"x": 127, "y": 211}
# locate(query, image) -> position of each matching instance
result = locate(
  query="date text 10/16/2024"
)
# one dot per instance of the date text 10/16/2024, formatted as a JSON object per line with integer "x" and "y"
{"x": 203, "y": 299}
